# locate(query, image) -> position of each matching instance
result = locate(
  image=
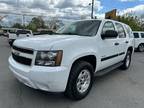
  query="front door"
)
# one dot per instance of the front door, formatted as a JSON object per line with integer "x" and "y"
{"x": 108, "y": 47}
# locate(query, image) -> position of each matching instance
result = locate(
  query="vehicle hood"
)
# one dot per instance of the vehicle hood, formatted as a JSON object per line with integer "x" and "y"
{"x": 44, "y": 42}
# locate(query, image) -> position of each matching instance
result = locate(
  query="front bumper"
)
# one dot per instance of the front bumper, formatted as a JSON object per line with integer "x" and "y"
{"x": 53, "y": 79}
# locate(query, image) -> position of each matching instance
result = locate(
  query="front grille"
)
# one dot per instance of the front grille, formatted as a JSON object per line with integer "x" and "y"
{"x": 22, "y": 60}
{"x": 28, "y": 51}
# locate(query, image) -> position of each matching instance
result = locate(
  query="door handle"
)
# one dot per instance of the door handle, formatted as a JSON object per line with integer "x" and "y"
{"x": 127, "y": 42}
{"x": 116, "y": 44}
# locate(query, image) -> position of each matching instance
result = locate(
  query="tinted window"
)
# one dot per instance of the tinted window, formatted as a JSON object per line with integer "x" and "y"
{"x": 129, "y": 31}
{"x": 142, "y": 35}
{"x": 23, "y": 32}
{"x": 12, "y": 31}
{"x": 81, "y": 28}
{"x": 136, "y": 35}
{"x": 28, "y": 32}
{"x": 108, "y": 26}
{"x": 4, "y": 31}
{"x": 121, "y": 31}
{"x": 46, "y": 32}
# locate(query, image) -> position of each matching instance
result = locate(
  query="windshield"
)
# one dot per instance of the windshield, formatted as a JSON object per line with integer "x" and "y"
{"x": 81, "y": 28}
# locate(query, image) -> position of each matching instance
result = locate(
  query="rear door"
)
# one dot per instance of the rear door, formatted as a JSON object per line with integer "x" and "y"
{"x": 142, "y": 37}
{"x": 137, "y": 39}
{"x": 123, "y": 41}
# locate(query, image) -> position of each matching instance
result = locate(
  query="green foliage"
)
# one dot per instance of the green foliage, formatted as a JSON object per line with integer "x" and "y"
{"x": 133, "y": 22}
{"x": 36, "y": 22}
{"x": 17, "y": 25}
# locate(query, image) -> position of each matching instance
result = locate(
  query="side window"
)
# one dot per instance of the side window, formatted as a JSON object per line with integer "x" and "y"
{"x": 136, "y": 35}
{"x": 142, "y": 35}
{"x": 121, "y": 31}
{"x": 108, "y": 26}
{"x": 129, "y": 31}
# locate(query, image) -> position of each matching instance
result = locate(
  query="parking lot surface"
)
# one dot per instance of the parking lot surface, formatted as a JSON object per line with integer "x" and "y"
{"x": 118, "y": 89}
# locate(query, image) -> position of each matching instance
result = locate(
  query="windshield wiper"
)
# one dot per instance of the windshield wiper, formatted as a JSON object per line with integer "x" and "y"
{"x": 69, "y": 33}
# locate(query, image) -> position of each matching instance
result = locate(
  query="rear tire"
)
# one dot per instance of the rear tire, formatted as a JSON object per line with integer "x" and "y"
{"x": 80, "y": 80}
{"x": 141, "y": 48}
{"x": 127, "y": 61}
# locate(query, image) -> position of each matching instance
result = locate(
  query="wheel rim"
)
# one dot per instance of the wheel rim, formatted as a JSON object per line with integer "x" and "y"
{"x": 141, "y": 47}
{"x": 83, "y": 81}
{"x": 128, "y": 60}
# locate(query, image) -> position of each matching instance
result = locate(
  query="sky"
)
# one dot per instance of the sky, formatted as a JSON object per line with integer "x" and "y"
{"x": 68, "y": 9}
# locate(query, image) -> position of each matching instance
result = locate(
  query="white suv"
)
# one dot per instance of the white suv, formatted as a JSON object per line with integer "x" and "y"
{"x": 18, "y": 34}
{"x": 68, "y": 61}
{"x": 139, "y": 40}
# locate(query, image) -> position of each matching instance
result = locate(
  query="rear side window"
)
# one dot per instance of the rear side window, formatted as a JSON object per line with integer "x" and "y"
{"x": 12, "y": 31}
{"x": 28, "y": 32}
{"x": 136, "y": 35}
{"x": 142, "y": 35}
{"x": 121, "y": 31}
{"x": 5, "y": 31}
{"x": 129, "y": 31}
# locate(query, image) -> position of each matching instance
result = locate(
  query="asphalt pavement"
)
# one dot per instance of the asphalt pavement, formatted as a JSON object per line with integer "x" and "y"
{"x": 117, "y": 89}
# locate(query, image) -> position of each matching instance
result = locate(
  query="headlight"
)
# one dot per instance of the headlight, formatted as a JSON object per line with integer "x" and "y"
{"x": 48, "y": 58}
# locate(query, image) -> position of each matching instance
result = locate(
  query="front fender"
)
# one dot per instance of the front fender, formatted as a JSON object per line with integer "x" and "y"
{"x": 76, "y": 57}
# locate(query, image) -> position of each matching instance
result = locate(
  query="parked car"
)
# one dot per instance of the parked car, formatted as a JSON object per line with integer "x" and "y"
{"x": 7, "y": 31}
{"x": 1, "y": 32}
{"x": 68, "y": 61}
{"x": 18, "y": 34}
{"x": 139, "y": 40}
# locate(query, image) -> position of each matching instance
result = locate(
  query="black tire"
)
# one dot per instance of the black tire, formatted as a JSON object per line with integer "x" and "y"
{"x": 126, "y": 63}
{"x": 72, "y": 90}
{"x": 141, "y": 48}
{"x": 10, "y": 43}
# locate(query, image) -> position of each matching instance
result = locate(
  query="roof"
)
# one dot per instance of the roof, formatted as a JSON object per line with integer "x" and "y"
{"x": 138, "y": 31}
{"x": 8, "y": 28}
{"x": 103, "y": 20}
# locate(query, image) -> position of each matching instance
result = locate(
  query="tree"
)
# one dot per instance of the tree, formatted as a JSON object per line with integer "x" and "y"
{"x": 53, "y": 23}
{"x": 17, "y": 25}
{"x": 36, "y": 23}
{"x": 133, "y": 21}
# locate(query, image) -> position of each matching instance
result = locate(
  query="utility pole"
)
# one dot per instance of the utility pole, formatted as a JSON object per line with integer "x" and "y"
{"x": 23, "y": 20}
{"x": 92, "y": 9}
{"x": 17, "y": 4}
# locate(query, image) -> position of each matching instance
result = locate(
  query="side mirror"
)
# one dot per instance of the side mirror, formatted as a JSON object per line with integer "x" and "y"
{"x": 109, "y": 34}
{"x": 27, "y": 35}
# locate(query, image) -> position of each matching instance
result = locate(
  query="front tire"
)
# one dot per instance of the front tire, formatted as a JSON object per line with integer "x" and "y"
{"x": 127, "y": 61}
{"x": 80, "y": 80}
{"x": 10, "y": 43}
